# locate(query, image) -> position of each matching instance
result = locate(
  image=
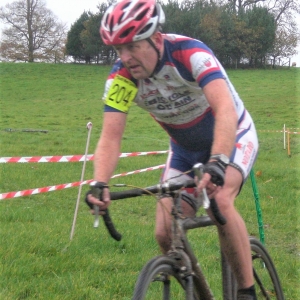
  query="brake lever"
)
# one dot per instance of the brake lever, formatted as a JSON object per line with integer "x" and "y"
{"x": 96, "y": 213}
{"x": 96, "y": 194}
{"x": 106, "y": 217}
{"x": 198, "y": 171}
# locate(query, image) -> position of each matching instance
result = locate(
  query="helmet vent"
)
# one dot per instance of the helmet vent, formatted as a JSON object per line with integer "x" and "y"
{"x": 141, "y": 15}
{"x": 120, "y": 18}
{"x": 146, "y": 28}
{"x": 155, "y": 12}
{"x": 111, "y": 25}
{"x": 125, "y": 5}
{"x": 126, "y": 32}
{"x": 139, "y": 5}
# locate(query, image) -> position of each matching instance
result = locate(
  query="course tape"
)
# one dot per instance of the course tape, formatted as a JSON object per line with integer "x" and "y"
{"x": 68, "y": 185}
{"x": 67, "y": 158}
{"x": 287, "y": 131}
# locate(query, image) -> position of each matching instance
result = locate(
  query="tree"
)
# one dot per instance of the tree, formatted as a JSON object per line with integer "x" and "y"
{"x": 91, "y": 39}
{"x": 84, "y": 41}
{"x": 248, "y": 34}
{"x": 285, "y": 13}
{"x": 287, "y": 33}
{"x": 284, "y": 46}
{"x": 74, "y": 45}
{"x": 260, "y": 41}
{"x": 33, "y": 33}
{"x": 183, "y": 17}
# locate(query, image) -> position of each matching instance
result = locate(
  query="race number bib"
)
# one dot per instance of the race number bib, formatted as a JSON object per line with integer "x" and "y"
{"x": 121, "y": 93}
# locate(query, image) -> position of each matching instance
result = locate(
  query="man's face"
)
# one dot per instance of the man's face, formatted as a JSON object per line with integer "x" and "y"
{"x": 139, "y": 58}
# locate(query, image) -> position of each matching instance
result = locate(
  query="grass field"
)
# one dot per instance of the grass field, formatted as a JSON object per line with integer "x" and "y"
{"x": 38, "y": 261}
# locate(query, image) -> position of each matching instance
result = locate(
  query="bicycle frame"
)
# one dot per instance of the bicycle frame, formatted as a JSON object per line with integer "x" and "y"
{"x": 181, "y": 263}
{"x": 181, "y": 249}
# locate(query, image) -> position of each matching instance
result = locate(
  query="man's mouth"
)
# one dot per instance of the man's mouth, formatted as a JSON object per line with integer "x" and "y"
{"x": 134, "y": 67}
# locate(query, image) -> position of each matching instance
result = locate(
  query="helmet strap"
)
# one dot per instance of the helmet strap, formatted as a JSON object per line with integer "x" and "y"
{"x": 158, "y": 56}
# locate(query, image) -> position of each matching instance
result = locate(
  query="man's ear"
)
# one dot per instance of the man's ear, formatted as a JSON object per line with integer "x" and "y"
{"x": 158, "y": 40}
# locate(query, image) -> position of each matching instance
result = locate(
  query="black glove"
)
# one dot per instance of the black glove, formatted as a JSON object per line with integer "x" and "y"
{"x": 216, "y": 171}
{"x": 96, "y": 191}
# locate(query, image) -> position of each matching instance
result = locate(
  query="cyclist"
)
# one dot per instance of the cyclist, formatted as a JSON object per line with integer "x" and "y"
{"x": 180, "y": 82}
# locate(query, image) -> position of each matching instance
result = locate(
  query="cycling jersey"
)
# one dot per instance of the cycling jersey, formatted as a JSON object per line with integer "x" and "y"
{"x": 174, "y": 96}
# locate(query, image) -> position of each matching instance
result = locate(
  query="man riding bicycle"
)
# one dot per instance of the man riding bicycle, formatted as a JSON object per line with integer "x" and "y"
{"x": 180, "y": 82}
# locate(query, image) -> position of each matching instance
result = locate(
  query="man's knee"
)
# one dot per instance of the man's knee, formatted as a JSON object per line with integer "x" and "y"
{"x": 226, "y": 196}
{"x": 225, "y": 202}
{"x": 163, "y": 224}
{"x": 163, "y": 239}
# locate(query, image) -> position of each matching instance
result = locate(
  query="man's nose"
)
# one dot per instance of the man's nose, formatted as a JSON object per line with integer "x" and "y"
{"x": 125, "y": 55}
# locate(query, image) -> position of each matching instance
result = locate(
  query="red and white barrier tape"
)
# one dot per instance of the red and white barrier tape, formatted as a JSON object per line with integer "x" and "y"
{"x": 287, "y": 131}
{"x": 67, "y": 158}
{"x": 68, "y": 185}
{"x": 270, "y": 130}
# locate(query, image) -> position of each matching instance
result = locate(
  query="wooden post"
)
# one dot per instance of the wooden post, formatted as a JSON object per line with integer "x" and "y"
{"x": 283, "y": 136}
{"x": 288, "y": 142}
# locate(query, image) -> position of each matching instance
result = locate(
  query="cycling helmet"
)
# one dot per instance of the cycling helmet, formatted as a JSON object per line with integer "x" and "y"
{"x": 131, "y": 20}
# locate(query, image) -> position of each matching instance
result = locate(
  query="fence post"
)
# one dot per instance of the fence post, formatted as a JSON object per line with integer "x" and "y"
{"x": 288, "y": 142}
{"x": 283, "y": 136}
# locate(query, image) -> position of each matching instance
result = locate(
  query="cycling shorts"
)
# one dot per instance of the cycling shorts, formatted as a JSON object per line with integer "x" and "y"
{"x": 180, "y": 161}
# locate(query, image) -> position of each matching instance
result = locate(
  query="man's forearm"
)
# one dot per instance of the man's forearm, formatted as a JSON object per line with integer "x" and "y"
{"x": 106, "y": 159}
{"x": 225, "y": 132}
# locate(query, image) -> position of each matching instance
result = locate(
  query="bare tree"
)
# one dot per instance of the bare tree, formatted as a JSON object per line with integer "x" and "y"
{"x": 285, "y": 13}
{"x": 33, "y": 32}
{"x": 287, "y": 33}
{"x": 284, "y": 46}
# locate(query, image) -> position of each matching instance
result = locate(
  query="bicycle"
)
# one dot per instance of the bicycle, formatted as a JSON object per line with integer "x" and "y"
{"x": 180, "y": 265}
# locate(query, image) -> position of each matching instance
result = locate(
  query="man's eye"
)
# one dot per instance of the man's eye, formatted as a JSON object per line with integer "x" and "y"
{"x": 130, "y": 47}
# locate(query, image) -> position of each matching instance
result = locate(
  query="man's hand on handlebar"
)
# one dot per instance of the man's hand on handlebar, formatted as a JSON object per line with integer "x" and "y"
{"x": 213, "y": 178}
{"x": 93, "y": 196}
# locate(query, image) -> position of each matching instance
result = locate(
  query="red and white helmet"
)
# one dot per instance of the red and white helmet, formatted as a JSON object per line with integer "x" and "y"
{"x": 131, "y": 20}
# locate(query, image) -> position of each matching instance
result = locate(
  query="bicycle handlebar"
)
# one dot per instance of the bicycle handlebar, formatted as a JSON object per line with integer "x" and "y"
{"x": 163, "y": 188}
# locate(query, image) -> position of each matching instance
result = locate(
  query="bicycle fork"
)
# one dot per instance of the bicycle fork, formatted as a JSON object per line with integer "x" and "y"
{"x": 200, "y": 284}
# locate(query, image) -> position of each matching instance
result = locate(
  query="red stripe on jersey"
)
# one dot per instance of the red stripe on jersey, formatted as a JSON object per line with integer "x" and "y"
{"x": 208, "y": 71}
{"x": 183, "y": 56}
{"x": 123, "y": 72}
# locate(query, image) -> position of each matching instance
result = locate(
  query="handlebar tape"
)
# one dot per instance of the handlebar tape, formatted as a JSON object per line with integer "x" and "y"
{"x": 97, "y": 192}
{"x": 154, "y": 189}
{"x": 110, "y": 226}
{"x": 216, "y": 212}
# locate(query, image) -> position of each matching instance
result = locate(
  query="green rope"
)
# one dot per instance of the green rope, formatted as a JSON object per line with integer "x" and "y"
{"x": 258, "y": 208}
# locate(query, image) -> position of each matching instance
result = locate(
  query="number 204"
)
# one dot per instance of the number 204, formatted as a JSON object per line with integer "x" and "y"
{"x": 119, "y": 94}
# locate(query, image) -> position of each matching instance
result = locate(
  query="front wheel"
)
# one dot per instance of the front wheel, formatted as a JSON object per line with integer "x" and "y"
{"x": 267, "y": 282}
{"x": 160, "y": 279}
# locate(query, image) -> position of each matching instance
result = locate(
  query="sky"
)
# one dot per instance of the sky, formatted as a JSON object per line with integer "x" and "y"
{"x": 68, "y": 11}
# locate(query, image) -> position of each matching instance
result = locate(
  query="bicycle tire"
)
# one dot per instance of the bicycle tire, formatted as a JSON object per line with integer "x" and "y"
{"x": 157, "y": 278}
{"x": 229, "y": 283}
{"x": 267, "y": 281}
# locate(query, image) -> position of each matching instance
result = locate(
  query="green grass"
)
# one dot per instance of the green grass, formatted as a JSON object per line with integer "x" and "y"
{"x": 38, "y": 261}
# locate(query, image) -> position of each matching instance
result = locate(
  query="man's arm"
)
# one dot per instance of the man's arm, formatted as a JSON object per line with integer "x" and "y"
{"x": 107, "y": 153}
{"x": 109, "y": 145}
{"x": 226, "y": 119}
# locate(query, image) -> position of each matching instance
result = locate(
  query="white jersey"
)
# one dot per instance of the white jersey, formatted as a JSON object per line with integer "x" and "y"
{"x": 175, "y": 99}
